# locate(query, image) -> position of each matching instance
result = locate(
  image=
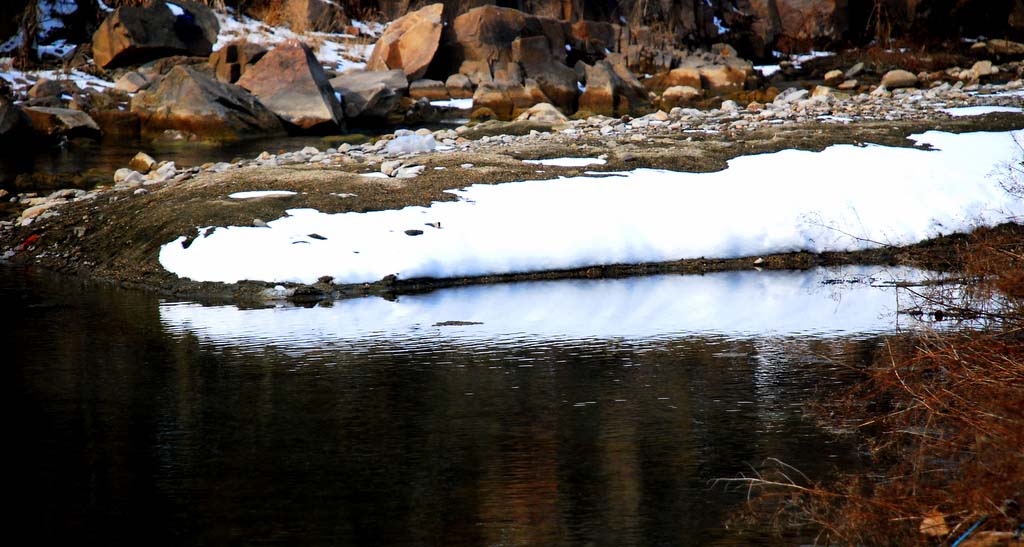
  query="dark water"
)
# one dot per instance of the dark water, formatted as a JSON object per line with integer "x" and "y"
{"x": 142, "y": 421}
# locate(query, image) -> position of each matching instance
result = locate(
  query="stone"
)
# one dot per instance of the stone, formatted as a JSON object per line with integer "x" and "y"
{"x": 478, "y": 72}
{"x": 556, "y": 81}
{"x": 834, "y": 76}
{"x": 848, "y": 85}
{"x": 131, "y": 82}
{"x": 487, "y": 34}
{"x": 142, "y": 162}
{"x": 683, "y": 76}
{"x": 459, "y": 86}
{"x": 291, "y": 83}
{"x": 411, "y": 144}
{"x": 136, "y": 34}
{"x": 679, "y": 95}
{"x": 543, "y": 113}
{"x": 982, "y": 68}
{"x": 722, "y": 78}
{"x": 821, "y": 91}
{"x": 61, "y": 122}
{"x": 371, "y": 93}
{"x": 188, "y": 100}
{"x": 388, "y": 167}
{"x": 46, "y": 88}
{"x": 409, "y": 43}
{"x": 854, "y": 71}
{"x": 606, "y": 93}
{"x": 230, "y": 62}
{"x": 432, "y": 90}
{"x": 314, "y": 16}
{"x": 408, "y": 172}
{"x": 1004, "y": 47}
{"x": 898, "y": 78}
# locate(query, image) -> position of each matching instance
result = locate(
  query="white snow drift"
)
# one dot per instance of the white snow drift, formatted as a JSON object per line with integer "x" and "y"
{"x": 841, "y": 199}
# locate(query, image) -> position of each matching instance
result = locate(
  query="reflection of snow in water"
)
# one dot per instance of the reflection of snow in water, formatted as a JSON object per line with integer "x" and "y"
{"x": 734, "y": 304}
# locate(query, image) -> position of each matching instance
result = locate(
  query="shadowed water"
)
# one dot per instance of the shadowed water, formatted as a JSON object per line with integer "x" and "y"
{"x": 568, "y": 413}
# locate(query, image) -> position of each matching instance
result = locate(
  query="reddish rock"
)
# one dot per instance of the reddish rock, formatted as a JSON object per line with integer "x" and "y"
{"x": 61, "y": 122}
{"x": 432, "y": 90}
{"x": 292, "y": 84}
{"x": 459, "y": 86}
{"x": 133, "y": 35}
{"x": 557, "y": 81}
{"x": 487, "y": 33}
{"x": 190, "y": 101}
{"x": 314, "y": 15}
{"x": 230, "y": 62}
{"x": 678, "y": 96}
{"x": 371, "y": 93}
{"x": 677, "y": 77}
{"x": 722, "y": 78}
{"x": 409, "y": 43}
{"x": 606, "y": 93}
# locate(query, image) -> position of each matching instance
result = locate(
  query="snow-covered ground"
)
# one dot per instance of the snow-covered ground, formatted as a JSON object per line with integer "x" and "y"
{"x": 734, "y": 304}
{"x": 962, "y": 111}
{"x": 841, "y": 199}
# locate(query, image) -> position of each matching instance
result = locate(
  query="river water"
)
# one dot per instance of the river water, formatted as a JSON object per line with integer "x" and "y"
{"x": 590, "y": 412}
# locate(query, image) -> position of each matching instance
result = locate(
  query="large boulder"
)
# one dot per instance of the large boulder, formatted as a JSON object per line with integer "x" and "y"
{"x": 899, "y": 78}
{"x": 487, "y": 33}
{"x": 371, "y": 93}
{"x": 723, "y": 78}
{"x": 230, "y": 62}
{"x": 134, "y": 35}
{"x": 557, "y": 81}
{"x": 10, "y": 117}
{"x": 190, "y": 101}
{"x": 606, "y": 93}
{"x": 409, "y": 43}
{"x": 61, "y": 122}
{"x": 292, "y": 84}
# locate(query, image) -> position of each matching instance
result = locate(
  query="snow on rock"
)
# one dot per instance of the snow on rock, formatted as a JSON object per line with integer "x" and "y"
{"x": 730, "y": 304}
{"x": 785, "y": 201}
{"x": 21, "y": 81}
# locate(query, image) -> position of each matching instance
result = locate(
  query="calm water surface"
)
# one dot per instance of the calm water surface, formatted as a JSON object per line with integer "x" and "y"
{"x": 557, "y": 419}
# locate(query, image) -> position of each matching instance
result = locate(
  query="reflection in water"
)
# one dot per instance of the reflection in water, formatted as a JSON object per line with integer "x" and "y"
{"x": 566, "y": 418}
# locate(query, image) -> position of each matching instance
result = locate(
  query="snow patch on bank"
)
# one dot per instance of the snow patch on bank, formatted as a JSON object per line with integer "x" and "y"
{"x": 843, "y": 198}
{"x": 567, "y": 162}
{"x": 962, "y": 111}
{"x": 255, "y": 194}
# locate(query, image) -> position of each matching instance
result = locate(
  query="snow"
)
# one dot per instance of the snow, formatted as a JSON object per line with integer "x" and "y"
{"x": 335, "y": 51}
{"x": 21, "y": 81}
{"x": 768, "y": 70}
{"x": 732, "y": 304}
{"x": 458, "y": 104}
{"x": 261, "y": 194}
{"x": 722, "y": 29}
{"x": 175, "y": 9}
{"x": 567, "y": 162}
{"x": 411, "y": 144}
{"x": 962, "y": 111}
{"x": 781, "y": 202}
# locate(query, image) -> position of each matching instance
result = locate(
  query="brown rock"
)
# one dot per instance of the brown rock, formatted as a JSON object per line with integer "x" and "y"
{"x": 431, "y": 90}
{"x": 142, "y": 162}
{"x": 722, "y": 78}
{"x": 899, "y": 78}
{"x": 486, "y": 34}
{"x": 46, "y": 88}
{"x": 134, "y": 35}
{"x": 409, "y": 43}
{"x": 557, "y": 81}
{"x": 678, "y": 96}
{"x": 606, "y": 93}
{"x": 1004, "y": 47}
{"x": 292, "y": 84}
{"x": 677, "y": 77}
{"x": 314, "y": 15}
{"x": 544, "y": 113}
{"x": 459, "y": 86}
{"x": 11, "y": 117}
{"x": 371, "y": 93}
{"x": 230, "y": 62}
{"x": 478, "y": 72}
{"x": 61, "y": 122}
{"x": 190, "y": 101}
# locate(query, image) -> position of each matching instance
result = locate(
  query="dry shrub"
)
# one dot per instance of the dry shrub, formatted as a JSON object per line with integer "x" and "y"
{"x": 941, "y": 413}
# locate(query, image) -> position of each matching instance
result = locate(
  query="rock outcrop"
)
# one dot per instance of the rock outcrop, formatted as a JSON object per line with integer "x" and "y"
{"x": 61, "y": 122}
{"x": 133, "y": 35}
{"x": 409, "y": 43}
{"x": 291, "y": 83}
{"x": 608, "y": 94}
{"x": 230, "y": 62}
{"x": 371, "y": 93}
{"x": 196, "y": 104}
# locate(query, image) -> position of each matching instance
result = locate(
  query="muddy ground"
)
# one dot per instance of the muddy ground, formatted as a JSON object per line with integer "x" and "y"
{"x": 116, "y": 236}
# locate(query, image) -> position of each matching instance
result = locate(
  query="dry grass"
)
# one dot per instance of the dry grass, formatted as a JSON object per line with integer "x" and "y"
{"x": 941, "y": 413}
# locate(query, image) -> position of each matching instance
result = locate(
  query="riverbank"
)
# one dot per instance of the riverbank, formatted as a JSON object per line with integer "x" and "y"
{"x": 115, "y": 232}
